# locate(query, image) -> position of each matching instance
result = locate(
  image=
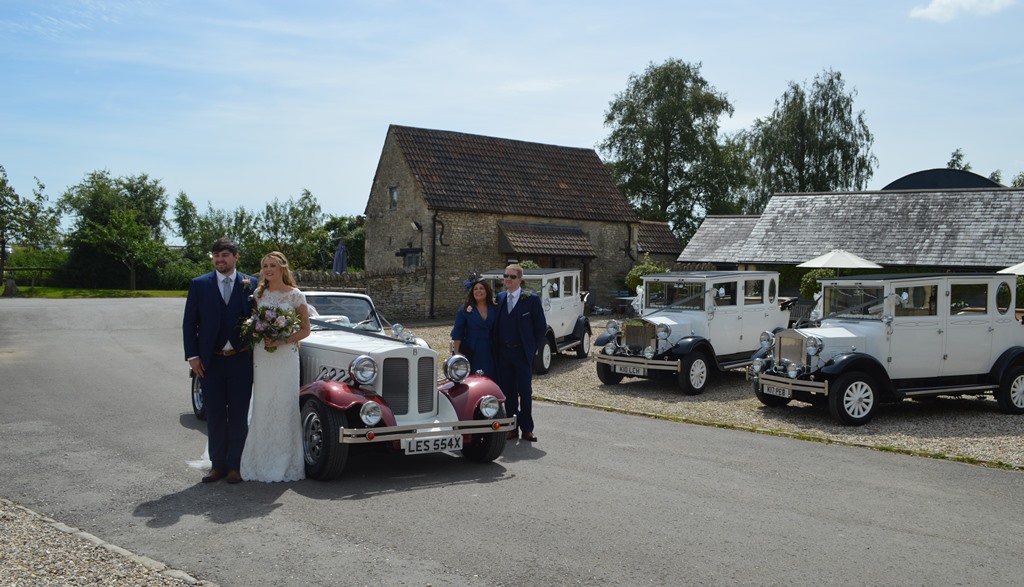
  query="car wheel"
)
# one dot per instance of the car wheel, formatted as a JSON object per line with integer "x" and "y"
{"x": 325, "y": 456}
{"x": 1010, "y": 395}
{"x": 484, "y": 448}
{"x": 583, "y": 349}
{"x": 772, "y": 401}
{"x": 542, "y": 362}
{"x": 694, "y": 376}
{"x": 198, "y": 407}
{"x": 607, "y": 376}
{"x": 852, "y": 399}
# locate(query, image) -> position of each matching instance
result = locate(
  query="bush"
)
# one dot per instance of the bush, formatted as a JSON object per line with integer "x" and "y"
{"x": 809, "y": 282}
{"x": 646, "y": 267}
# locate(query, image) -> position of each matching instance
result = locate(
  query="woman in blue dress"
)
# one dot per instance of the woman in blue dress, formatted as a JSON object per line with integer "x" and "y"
{"x": 471, "y": 335}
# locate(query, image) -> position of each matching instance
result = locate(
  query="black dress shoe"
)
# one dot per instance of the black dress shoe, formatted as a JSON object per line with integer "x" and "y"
{"x": 513, "y": 434}
{"x": 214, "y": 476}
{"x": 234, "y": 477}
{"x": 530, "y": 436}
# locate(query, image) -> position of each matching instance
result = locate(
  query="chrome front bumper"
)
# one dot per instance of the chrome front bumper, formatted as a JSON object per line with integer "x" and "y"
{"x": 647, "y": 364}
{"x": 428, "y": 430}
{"x": 790, "y": 384}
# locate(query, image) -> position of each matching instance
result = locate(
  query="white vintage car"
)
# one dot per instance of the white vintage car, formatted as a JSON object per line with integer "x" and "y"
{"x": 884, "y": 338}
{"x": 362, "y": 387}
{"x": 690, "y": 324}
{"x": 564, "y": 305}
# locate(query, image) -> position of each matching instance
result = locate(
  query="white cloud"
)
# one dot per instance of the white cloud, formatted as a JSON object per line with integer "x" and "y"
{"x": 947, "y": 10}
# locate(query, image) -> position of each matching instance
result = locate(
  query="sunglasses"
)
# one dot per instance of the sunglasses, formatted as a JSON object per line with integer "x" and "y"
{"x": 507, "y": 276}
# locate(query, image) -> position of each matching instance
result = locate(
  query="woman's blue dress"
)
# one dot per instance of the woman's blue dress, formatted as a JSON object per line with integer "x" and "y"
{"x": 475, "y": 332}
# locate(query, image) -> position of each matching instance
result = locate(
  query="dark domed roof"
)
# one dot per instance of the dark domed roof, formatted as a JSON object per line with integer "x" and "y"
{"x": 941, "y": 179}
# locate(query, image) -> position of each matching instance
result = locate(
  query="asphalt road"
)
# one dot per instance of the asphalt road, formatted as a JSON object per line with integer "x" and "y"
{"x": 95, "y": 430}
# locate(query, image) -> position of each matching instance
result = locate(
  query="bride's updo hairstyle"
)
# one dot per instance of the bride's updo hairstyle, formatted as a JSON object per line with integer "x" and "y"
{"x": 286, "y": 273}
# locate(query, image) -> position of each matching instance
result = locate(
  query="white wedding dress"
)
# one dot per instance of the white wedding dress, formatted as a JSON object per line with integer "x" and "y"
{"x": 273, "y": 448}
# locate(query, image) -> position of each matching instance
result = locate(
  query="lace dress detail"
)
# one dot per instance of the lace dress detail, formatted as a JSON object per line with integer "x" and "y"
{"x": 273, "y": 448}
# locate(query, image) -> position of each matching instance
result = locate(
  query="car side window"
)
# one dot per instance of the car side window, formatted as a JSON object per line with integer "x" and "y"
{"x": 1004, "y": 298}
{"x": 729, "y": 299}
{"x": 968, "y": 298}
{"x": 569, "y": 286}
{"x": 753, "y": 292}
{"x": 921, "y": 301}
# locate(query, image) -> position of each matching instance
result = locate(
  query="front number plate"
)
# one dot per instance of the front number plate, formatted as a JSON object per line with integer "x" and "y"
{"x": 779, "y": 391}
{"x": 418, "y": 446}
{"x": 629, "y": 370}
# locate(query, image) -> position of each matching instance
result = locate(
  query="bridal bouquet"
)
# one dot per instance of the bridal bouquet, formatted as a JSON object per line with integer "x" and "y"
{"x": 270, "y": 323}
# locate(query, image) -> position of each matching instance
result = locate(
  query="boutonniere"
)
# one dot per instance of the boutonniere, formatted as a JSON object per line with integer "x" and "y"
{"x": 469, "y": 309}
{"x": 246, "y": 283}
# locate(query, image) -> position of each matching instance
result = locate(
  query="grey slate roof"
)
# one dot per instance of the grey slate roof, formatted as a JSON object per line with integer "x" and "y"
{"x": 718, "y": 240}
{"x": 465, "y": 172}
{"x": 927, "y": 228}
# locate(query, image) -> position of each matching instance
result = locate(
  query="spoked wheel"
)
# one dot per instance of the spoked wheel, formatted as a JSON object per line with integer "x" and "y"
{"x": 853, "y": 399}
{"x": 542, "y": 362}
{"x": 1010, "y": 395}
{"x": 198, "y": 407}
{"x": 325, "y": 456}
{"x": 583, "y": 349}
{"x": 694, "y": 376}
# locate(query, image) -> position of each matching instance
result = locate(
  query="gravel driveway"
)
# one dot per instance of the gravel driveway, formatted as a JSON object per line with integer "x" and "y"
{"x": 969, "y": 429}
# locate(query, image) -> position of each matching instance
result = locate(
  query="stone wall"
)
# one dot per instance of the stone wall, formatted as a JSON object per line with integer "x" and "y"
{"x": 400, "y": 295}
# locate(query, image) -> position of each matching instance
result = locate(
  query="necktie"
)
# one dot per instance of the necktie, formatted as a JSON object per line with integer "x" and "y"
{"x": 226, "y": 289}
{"x": 511, "y": 303}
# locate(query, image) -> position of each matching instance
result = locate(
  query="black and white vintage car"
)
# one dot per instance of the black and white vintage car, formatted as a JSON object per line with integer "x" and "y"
{"x": 360, "y": 387}
{"x": 564, "y": 310}
{"x": 885, "y": 338}
{"x": 690, "y": 324}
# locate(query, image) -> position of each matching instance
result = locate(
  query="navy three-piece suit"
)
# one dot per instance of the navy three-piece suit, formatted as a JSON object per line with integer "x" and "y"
{"x": 517, "y": 335}
{"x": 207, "y": 326}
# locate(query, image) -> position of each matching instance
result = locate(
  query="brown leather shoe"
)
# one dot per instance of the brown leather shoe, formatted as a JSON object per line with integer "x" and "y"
{"x": 234, "y": 477}
{"x": 214, "y": 476}
{"x": 526, "y": 436}
{"x": 513, "y": 435}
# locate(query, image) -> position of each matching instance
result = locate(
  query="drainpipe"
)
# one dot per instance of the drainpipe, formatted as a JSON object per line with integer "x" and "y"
{"x": 436, "y": 238}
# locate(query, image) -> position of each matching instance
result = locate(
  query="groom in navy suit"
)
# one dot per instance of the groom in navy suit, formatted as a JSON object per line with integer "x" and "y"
{"x": 217, "y": 304}
{"x": 520, "y": 330}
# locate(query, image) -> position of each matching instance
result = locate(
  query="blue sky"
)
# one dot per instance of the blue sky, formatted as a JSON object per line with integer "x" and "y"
{"x": 237, "y": 102}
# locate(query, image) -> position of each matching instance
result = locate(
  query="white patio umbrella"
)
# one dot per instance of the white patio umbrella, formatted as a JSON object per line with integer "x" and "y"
{"x": 1017, "y": 269}
{"x": 840, "y": 259}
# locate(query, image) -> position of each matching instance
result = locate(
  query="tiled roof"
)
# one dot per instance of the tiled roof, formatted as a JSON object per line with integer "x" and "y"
{"x": 543, "y": 239}
{"x": 657, "y": 238}
{"x": 467, "y": 172}
{"x": 718, "y": 239}
{"x": 937, "y": 228}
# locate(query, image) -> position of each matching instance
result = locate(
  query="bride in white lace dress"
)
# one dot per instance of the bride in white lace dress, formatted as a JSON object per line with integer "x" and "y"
{"x": 273, "y": 448}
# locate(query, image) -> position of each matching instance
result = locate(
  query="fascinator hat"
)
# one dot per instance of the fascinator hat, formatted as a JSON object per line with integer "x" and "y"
{"x": 472, "y": 280}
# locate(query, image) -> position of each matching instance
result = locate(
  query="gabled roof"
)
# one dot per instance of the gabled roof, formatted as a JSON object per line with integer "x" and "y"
{"x": 927, "y": 228}
{"x": 543, "y": 239}
{"x": 657, "y": 238}
{"x": 465, "y": 172}
{"x": 718, "y": 240}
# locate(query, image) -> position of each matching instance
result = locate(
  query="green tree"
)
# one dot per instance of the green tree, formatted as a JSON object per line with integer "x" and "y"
{"x": 25, "y": 221}
{"x": 812, "y": 142}
{"x": 957, "y": 161}
{"x": 100, "y": 206}
{"x": 645, "y": 267}
{"x": 1018, "y": 180}
{"x": 293, "y": 227}
{"x": 350, "y": 230}
{"x": 663, "y": 146}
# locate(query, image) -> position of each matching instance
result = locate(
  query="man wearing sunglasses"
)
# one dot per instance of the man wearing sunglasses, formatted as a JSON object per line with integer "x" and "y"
{"x": 517, "y": 335}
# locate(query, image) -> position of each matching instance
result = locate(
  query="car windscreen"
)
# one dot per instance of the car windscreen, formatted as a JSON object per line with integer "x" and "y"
{"x": 680, "y": 296}
{"x": 343, "y": 310}
{"x": 854, "y": 302}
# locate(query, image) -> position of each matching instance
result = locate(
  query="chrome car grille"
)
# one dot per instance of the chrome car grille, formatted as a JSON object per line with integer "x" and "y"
{"x": 395, "y": 389}
{"x": 790, "y": 349}
{"x": 637, "y": 336}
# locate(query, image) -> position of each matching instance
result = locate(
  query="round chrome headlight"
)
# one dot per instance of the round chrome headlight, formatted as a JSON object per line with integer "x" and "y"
{"x": 814, "y": 345}
{"x": 370, "y": 413}
{"x": 363, "y": 369}
{"x": 757, "y": 365}
{"x": 609, "y": 349}
{"x": 457, "y": 368}
{"x": 662, "y": 331}
{"x": 649, "y": 353}
{"x": 793, "y": 370}
{"x": 489, "y": 406}
{"x": 767, "y": 339}
{"x": 612, "y": 327}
